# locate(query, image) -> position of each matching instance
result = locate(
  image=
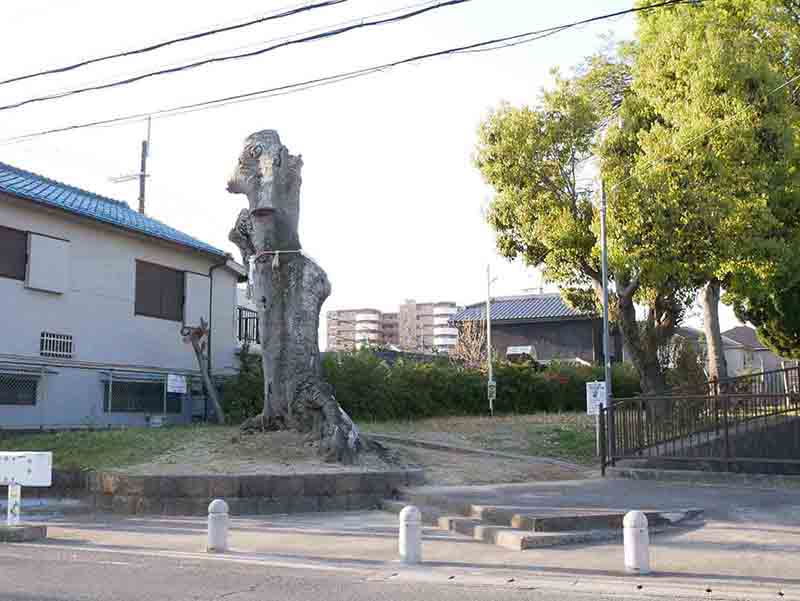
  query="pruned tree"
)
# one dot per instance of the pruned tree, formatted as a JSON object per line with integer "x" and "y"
{"x": 470, "y": 348}
{"x": 289, "y": 289}
{"x": 197, "y": 336}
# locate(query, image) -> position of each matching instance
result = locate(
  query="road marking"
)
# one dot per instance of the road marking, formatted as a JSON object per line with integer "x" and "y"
{"x": 233, "y": 558}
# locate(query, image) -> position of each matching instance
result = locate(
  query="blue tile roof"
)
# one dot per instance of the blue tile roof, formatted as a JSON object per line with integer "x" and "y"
{"x": 531, "y": 307}
{"x": 24, "y": 184}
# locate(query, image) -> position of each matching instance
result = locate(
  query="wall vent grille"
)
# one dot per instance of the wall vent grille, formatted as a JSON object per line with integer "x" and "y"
{"x": 55, "y": 345}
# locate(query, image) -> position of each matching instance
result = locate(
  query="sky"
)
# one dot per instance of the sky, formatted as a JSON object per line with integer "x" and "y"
{"x": 392, "y": 206}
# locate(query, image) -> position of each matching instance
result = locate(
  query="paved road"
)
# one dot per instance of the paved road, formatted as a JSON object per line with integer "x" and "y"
{"x": 52, "y": 574}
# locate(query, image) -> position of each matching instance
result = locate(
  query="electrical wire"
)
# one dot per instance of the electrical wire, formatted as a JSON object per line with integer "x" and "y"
{"x": 205, "y": 55}
{"x": 321, "y": 81}
{"x": 195, "y": 36}
{"x": 312, "y": 38}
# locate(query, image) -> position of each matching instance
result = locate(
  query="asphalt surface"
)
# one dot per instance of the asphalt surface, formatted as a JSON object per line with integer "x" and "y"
{"x": 42, "y": 574}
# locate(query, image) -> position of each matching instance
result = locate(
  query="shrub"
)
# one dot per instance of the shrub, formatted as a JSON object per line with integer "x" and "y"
{"x": 243, "y": 394}
{"x": 369, "y": 389}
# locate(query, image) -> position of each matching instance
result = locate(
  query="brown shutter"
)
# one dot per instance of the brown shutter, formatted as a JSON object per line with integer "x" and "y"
{"x": 13, "y": 253}
{"x": 148, "y": 289}
{"x": 172, "y": 294}
{"x": 159, "y": 291}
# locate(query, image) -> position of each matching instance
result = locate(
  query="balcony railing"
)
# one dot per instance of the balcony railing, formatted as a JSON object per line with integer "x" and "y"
{"x": 247, "y": 326}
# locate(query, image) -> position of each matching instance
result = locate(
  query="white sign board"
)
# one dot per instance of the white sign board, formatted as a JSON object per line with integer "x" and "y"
{"x": 519, "y": 350}
{"x": 26, "y": 468}
{"x": 595, "y": 397}
{"x": 492, "y": 390}
{"x": 176, "y": 383}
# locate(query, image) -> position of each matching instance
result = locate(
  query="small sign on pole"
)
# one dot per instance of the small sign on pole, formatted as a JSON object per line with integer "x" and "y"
{"x": 14, "y": 504}
{"x": 595, "y": 400}
{"x": 23, "y": 468}
{"x": 491, "y": 391}
{"x": 176, "y": 383}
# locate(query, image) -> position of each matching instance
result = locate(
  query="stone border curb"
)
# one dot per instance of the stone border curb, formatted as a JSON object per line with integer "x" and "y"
{"x": 24, "y": 533}
{"x": 705, "y": 477}
{"x": 438, "y": 446}
{"x": 247, "y": 494}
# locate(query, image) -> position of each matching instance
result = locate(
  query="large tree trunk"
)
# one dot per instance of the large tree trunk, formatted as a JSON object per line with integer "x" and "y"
{"x": 289, "y": 289}
{"x": 716, "y": 362}
{"x": 640, "y": 347}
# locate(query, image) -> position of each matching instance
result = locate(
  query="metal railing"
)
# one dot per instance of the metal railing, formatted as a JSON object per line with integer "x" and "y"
{"x": 247, "y": 327}
{"x": 774, "y": 381}
{"x": 723, "y": 429}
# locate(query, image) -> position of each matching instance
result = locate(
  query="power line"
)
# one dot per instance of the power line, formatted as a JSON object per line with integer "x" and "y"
{"x": 311, "y": 38}
{"x": 272, "y": 40}
{"x": 186, "y": 38}
{"x": 327, "y": 80}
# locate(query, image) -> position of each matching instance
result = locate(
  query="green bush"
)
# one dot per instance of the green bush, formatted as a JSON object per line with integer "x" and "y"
{"x": 369, "y": 389}
{"x": 243, "y": 394}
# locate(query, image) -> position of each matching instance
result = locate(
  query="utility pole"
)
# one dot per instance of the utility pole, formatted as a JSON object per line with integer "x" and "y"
{"x": 143, "y": 170}
{"x": 142, "y": 175}
{"x": 491, "y": 390}
{"x": 606, "y": 341}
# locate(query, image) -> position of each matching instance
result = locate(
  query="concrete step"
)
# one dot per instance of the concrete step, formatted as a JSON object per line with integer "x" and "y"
{"x": 459, "y": 524}
{"x": 519, "y": 528}
{"x": 430, "y": 513}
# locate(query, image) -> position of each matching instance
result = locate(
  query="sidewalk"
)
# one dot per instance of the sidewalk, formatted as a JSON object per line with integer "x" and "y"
{"x": 734, "y": 559}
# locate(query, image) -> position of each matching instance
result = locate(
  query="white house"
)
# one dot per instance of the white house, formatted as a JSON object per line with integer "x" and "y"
{"x": 93, "y": 296}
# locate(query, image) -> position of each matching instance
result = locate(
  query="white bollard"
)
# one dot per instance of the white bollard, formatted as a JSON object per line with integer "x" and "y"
{"x": 636, "y": 538}
{"x": 410, "y": 535}
{"x": 217, "y": 526}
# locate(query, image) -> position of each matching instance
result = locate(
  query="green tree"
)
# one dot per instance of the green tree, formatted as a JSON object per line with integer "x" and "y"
{"x": 709, "y": 143}
{"x": 772, "y": 304}
{"x": 542, "y": 212}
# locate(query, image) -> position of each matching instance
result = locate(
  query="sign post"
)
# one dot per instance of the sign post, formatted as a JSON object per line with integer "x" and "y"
{"x": 23, "y": 468}
{"x": 595, "y": 400}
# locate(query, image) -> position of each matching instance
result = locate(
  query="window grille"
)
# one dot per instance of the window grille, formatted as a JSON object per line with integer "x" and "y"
{"x": 55, "y": 345}
{"x": 18, "y": 389}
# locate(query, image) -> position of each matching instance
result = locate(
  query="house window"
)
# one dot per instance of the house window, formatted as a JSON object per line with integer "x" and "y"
{"x": 159, "y": 291}
{"x": 123, "y": 396}
{"x": 13, "y": 253}
{"x": 18, "y": 389}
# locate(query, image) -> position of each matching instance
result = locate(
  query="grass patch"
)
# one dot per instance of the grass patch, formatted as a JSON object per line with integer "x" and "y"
{"x": 103, "y": 448}
{"x": 569, "y": 436}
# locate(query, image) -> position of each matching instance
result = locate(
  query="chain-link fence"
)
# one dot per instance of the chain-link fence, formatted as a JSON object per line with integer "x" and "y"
{"x": 19, "y": 387}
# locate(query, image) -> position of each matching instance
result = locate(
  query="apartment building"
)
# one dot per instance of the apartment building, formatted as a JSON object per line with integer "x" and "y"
{"x": 425, "y": 327}
{"x": 417, "y": 327}
{"x": 353, "y": 328}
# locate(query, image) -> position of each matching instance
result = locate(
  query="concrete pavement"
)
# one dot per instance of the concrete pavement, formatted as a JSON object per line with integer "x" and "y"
{"x": 746, "y": 550}
{"x": 53, "y": 575}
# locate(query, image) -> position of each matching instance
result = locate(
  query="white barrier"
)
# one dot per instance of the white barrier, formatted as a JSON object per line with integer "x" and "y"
{"x": 636, "y": 539}
{"x": 217, "y": 527}
{"x": 410, "y": 535}
{"x": 23, "y": 468}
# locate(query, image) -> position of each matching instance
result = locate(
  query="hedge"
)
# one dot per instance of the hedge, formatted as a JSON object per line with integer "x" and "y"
{"x": 369, "y": 389}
